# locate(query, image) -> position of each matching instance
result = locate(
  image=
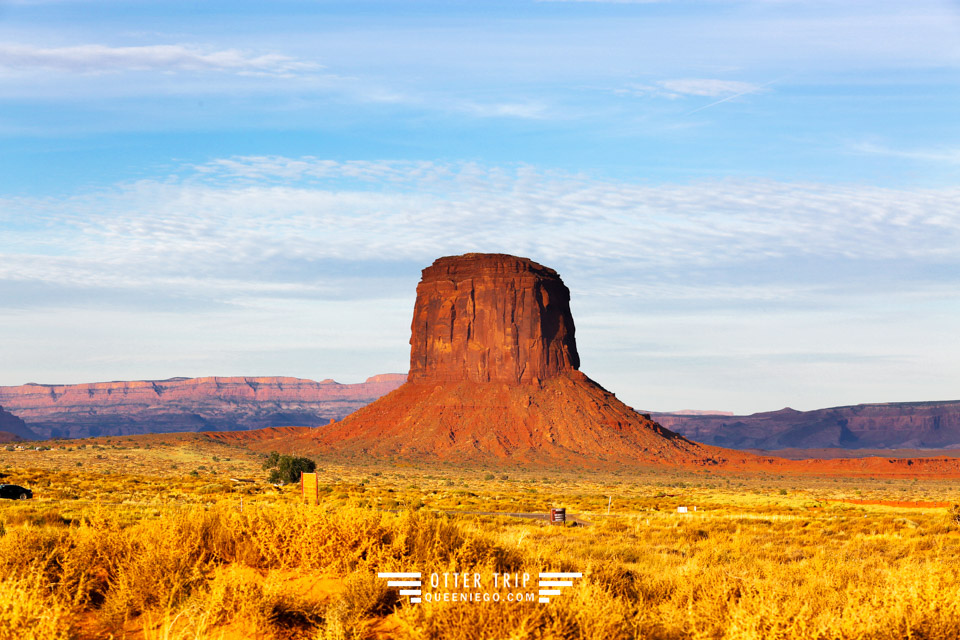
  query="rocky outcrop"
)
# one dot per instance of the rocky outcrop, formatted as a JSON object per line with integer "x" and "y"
{"x": 491, "y": 318}
{"x": 493, "y": 378}
{"x": 14, "y": 428}
{"x": 188, "y": 404}
{"x": 895, "y": 425}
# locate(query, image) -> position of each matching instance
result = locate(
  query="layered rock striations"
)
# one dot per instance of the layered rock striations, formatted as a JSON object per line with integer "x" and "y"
{"x": 494, "y": 376}
{"x": 188, "y": 404}
{"x": 491, "y": 318}
{"x": 906, "y": 425}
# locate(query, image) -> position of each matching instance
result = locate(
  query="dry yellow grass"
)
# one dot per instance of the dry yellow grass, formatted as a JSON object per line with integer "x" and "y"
{"x": 171, "y": 555}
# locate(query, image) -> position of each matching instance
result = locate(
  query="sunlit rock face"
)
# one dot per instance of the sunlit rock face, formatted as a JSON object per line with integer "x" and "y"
{"x": 491, "y": 318}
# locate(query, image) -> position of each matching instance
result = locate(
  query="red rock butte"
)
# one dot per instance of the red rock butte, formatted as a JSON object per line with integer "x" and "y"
{"x": 494, "y": 377}
{"x": 491, "y": 318}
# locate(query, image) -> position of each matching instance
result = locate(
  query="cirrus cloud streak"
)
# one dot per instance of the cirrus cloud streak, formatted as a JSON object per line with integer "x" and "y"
{"x": 270, "y": 221}
{"x": 99, "y": 58}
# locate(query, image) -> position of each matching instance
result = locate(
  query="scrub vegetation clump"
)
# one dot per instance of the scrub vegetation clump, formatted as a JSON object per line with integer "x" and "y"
{"x": 286, "y": 469}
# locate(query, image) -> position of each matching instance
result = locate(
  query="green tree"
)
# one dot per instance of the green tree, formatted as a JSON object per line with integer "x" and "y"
{"x": 285, "y": 469}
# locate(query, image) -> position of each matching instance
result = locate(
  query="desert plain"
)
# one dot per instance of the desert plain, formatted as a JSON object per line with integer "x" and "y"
{"x": 148, "y": 537}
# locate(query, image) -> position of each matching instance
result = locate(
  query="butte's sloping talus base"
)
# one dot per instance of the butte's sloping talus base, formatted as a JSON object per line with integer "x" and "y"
{"x": 493, "y": 377}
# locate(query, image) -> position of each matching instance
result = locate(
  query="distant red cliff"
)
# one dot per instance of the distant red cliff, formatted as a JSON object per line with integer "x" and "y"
{"x": 187, "y": 404}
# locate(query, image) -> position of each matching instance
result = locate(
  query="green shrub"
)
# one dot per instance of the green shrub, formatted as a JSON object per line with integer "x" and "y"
{"x": 284, "y": 468}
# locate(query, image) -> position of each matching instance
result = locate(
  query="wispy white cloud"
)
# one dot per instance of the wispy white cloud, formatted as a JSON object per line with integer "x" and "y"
{"x": 709, "y": 87}
{"x": 693, "y": 87}
{"x": 168, "y": 58}
{"x": 523, "y": 110}
{"x": 248, "y": 226}
{"x": 942, "y": 155}
{"x": 182, "y": 69}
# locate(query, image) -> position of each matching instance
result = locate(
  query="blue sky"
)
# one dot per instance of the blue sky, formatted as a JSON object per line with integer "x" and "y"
{"x": 754, "y": 204}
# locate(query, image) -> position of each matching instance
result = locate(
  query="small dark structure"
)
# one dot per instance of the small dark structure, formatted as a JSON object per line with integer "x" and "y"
{"x": 558, "y": 516}
{"x": 15, "y": 492}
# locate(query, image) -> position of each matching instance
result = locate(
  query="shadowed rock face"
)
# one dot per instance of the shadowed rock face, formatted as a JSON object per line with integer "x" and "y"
{"x": 491, "y": 318}
{"x": 14, "y": 426}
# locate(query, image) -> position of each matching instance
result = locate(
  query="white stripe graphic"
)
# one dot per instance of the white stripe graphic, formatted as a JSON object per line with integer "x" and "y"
{"x": 404, "y": 579}
{"x": 549, "y": 579}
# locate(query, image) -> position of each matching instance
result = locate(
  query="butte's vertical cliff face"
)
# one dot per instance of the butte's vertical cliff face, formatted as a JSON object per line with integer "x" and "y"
{"x": 491, "y": 318}
{"x": 494, "y": 376}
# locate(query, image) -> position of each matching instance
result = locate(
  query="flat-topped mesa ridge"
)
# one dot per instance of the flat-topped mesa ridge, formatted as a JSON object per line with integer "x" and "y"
{"x": 491, "y": 318}
{"x": 187, "y": 404}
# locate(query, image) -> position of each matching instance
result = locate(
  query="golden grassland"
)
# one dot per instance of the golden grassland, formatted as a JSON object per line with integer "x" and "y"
{"x": 149, "y": 538}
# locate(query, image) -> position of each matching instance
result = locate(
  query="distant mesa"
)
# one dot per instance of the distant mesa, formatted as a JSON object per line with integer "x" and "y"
{"x": 892, "y": 425}
{"x": 387, "y": 378}
{"x": 698, "y": 412}
{"x": 186, "y": 404}
{"x": 494, "y": 376}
